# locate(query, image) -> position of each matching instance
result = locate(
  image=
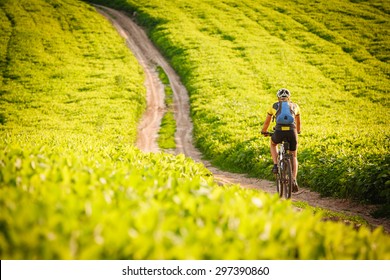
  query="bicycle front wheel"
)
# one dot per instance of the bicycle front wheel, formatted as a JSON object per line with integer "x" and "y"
{"x": 279, "y": 185}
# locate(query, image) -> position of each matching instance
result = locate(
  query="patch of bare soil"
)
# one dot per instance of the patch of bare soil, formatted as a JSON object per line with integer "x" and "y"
{"x": 149, "y": 57}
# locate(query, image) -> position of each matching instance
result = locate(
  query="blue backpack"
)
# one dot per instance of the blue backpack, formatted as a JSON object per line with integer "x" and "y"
{"x": 285, "y": 114}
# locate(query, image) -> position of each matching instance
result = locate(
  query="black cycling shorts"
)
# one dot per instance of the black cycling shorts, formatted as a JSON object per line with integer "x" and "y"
{"x": 290, "y": 136}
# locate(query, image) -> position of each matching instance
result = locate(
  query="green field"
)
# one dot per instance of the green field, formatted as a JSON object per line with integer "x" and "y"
{"x": 72, "y": 184}
{"x": 233, "y": 56}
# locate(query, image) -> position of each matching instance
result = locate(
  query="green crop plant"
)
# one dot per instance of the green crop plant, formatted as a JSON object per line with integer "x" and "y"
{"x": 233, "y": 56}
{"x": 73, "y": 186}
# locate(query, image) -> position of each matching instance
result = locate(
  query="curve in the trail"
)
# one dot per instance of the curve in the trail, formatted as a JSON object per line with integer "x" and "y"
{"x": 150, "y": 123}
{"x": 149, "y": 57}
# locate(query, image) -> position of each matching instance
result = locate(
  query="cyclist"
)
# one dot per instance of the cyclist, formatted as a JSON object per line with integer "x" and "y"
{"x": 288, "y": 132}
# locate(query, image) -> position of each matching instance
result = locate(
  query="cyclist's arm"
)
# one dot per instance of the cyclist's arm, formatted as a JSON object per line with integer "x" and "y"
{"x": 298, "y": 123}
{"x": 266, "y": 123}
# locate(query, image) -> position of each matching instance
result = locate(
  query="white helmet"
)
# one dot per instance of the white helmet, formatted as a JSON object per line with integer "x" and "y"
{"x": 283, "y": 93}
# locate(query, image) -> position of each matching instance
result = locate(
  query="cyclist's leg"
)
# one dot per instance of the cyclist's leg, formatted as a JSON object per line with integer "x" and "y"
{"x": 275, "y": 139}
{"x": 274, "y": 152}
{"x": 295, "y": 163}
{"x": 293, "y": 140}
{"x": 295, "y": 187}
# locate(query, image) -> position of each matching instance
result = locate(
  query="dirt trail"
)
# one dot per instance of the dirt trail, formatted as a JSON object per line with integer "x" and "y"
{"x": 149, "y": 57}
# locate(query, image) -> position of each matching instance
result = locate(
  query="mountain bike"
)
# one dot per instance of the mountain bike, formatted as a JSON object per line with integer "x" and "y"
{"x": 284, "y": 177}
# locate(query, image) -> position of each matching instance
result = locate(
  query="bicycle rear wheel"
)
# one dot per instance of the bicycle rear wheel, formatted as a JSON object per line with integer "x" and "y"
{"x": 286, "y": 180}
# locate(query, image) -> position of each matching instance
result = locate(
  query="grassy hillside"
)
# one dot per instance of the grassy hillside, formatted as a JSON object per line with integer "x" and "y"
{"x": 333, "y": 56}
{"x": 72, "y": 185}
{"x": 61, "y": 73}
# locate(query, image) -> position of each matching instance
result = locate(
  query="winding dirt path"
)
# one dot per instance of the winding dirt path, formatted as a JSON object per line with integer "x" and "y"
{"x": 149, "y": 57}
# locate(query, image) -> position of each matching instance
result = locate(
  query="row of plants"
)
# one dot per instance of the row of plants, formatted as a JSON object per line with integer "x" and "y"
{"x": 73, "y": 186}
{"x": 233, "y": 56}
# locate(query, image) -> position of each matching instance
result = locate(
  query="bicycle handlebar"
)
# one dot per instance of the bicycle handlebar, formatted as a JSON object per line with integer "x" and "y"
{"x": 267, "y": 133}
{"x": 271, "y": 133}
